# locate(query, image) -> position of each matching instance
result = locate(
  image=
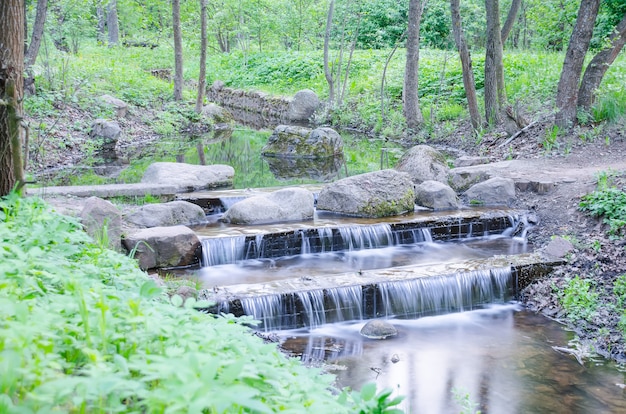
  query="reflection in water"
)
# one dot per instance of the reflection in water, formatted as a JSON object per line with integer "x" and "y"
{"x": 318, "y": 169}
{"x": 501, "y": 357}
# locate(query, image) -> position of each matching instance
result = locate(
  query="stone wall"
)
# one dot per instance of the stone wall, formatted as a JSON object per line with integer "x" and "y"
{"x": 261, "y": 109}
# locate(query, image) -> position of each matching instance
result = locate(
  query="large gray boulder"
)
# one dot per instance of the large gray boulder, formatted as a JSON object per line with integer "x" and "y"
{"x": 495, "y": 191}
{"x": 217, "y": 114}
{"x": 299, "y": 142}
{"x": 303, "y": 105}
{"x": 460, "y": 179}
{"x": 376, "y": 194}
{"x": 121, "y": 107}
{"x": 436, "y": 195}
{"x": 289, "y": 204}
{"x": 167, "y": 214}
{"x": 189, "y": 177}
{"x": 159, "y": 247}
{"x": 99, "y": 215}
{"x": 424, "y": 163}
{"x": 106, "y": 134}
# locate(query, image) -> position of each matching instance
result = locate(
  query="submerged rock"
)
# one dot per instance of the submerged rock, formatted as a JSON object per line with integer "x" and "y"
{"x": 378, "y": 329}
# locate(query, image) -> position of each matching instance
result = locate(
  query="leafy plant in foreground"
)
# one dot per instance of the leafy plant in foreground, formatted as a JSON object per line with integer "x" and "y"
{"x": 82, "y": 329}
{"x": 579, "y": 299}
{"x": 609, "y": 203}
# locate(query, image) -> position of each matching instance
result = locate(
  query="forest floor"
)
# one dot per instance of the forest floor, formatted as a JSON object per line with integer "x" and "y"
{"x": 571, "y": 161}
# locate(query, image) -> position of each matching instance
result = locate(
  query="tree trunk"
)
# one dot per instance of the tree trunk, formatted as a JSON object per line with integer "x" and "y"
{"x": 599, "y": 65}
{"x": 495, "y": 94}
{"x": 327, "y": 71}
{"x": 203, "y": 47}
{"x": 33, "y": 47}
{"x": 101, "y": 16}
{"x": 510, "y": 20}
{"x": 178, "y": 51}
{"x": 35, "y": 39}
{"x": 114, "y": 28}
{"x": 11, "y": 83}
{"x": 567, "y": 90}
{"x": 412, "y": 113}
{"x": 466, "y": 64}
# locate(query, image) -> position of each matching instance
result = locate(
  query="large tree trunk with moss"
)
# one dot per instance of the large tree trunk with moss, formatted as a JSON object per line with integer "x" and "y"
{"x": 567, "y": 91}
{"x": 599, "y": 65}
{"x": 495, "y": 94}
{"x": 466, "y": 64}
{"x": 203, "y": 47}
{"x": 412, "y": 113}
{"x": 112, "y": 24}
{"x": 178, "y": 51}
{"x": 510, "y": 20}
{"x": 11, "y": 84}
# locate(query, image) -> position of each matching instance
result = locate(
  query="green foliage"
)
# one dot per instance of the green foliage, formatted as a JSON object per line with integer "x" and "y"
{"x": 551, "y": 138}
{"x": 82, "y": 329}
{"x": 619, "y": 289}
{"x": 369, "y": 402}
{"x": 579, "y": 299}
{"x": 463, "y": 399}
{"x": 608, "y": 203}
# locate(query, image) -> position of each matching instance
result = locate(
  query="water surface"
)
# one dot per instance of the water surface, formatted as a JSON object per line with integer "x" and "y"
{"x": 501, "y": 358}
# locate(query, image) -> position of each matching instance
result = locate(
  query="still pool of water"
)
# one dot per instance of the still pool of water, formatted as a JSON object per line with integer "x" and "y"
{"x": 501, "y": 358}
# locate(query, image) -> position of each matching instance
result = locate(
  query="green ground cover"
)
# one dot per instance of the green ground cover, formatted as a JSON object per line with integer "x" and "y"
{"x": 82, "y": 329}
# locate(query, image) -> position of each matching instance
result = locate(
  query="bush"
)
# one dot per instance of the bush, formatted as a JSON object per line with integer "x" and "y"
{"x": 578, "y": 299}
{"x": 609, "y": 203}
{"x": 82, "y": 329}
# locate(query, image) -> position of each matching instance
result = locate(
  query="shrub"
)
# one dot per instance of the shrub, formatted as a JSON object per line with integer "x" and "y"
{"x": 82, "y": 329}
{"x": 578, "y": 299}
{"x": 609, "y": 203}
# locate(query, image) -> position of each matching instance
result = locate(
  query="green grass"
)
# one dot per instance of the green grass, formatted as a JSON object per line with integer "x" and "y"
{"x": 82, "y": 329}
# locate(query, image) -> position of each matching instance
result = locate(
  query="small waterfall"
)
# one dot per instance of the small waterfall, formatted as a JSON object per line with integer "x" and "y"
{"x": 443, "y": 294}
{"x": 366, "y": 237}
{"x": 223, "y": 250}
{"x": 423, "y": 296}
{"x": 325, "y": 235}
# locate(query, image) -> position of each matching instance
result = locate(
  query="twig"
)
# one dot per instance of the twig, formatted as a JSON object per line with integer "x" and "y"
{"x": 520, "y": 132}
{"x": 576, "y": 352}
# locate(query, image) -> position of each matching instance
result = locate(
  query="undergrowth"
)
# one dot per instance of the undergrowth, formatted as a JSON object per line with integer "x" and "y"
{"x": 82, "y": 329}
{"x": 609, "y": 203}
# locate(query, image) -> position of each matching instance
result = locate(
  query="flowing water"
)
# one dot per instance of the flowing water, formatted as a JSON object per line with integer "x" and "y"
{"x": 462, "y": 344}
{"x": 499, "y": 358}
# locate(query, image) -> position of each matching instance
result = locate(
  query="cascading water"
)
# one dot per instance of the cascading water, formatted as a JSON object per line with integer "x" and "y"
{"x": 222, "y": 250}
{"x": 417, "y": 297}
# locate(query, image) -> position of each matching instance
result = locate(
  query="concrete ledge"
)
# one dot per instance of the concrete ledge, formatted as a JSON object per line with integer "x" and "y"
{"x": 108, "y": 190}
{"x": 281, "y": 301}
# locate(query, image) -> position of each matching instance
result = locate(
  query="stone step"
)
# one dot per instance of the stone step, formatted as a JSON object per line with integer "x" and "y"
{"x": 167, "y": 192}
{"x": 285, "y": 296}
